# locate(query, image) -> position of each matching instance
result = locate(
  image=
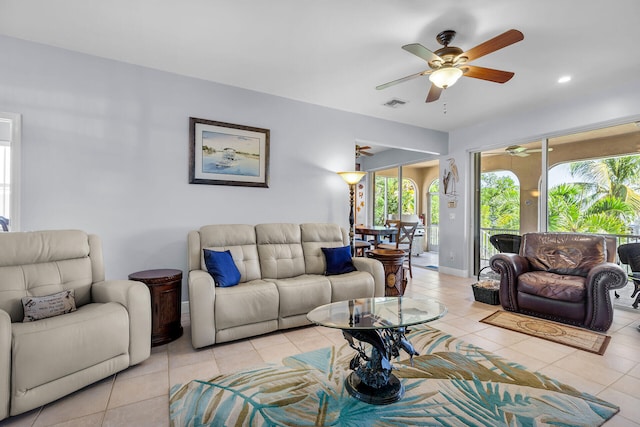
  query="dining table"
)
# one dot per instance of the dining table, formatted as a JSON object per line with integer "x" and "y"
{"x": 376, "y": 231}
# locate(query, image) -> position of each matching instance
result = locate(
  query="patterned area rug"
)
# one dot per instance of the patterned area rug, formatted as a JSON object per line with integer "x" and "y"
{"x": 451, "y": 383}
{"x": 582, "y": 339}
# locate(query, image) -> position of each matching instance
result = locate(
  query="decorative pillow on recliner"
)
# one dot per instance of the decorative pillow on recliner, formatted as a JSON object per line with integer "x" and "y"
{"x": 338, "y": 260}
{"x": 222, "y": 268}
{"x": 37, "y": 308}
{"x": 564, "y": 253}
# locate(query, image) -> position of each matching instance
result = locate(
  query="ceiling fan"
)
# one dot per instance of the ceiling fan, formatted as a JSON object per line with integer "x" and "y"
{"x": 362, "y": 150}
{"x": 520, "y": 151}
{"x": 449, "y": 63}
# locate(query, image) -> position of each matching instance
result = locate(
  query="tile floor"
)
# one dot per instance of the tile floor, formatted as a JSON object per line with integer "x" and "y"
{"x": 139, "y": 395}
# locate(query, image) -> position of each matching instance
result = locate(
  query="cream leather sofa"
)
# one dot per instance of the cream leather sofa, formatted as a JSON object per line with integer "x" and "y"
{"x": 282, "y": 278}
{"x": 43, "y": 360}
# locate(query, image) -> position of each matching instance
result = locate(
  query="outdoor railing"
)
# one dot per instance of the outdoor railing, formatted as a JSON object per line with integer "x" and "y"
{"x": 433, "y": 238}
{"x": 487, "y": 250}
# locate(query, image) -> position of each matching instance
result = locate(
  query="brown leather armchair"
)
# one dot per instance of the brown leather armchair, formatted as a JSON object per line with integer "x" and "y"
{"x": 563, "y": 277}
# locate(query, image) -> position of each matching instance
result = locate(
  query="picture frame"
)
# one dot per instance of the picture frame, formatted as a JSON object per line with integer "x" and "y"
{"x": 228, "y": 154}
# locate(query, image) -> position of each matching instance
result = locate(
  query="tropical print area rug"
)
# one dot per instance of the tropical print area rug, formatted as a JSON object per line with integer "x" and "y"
{"x": 579, "y": 338}
{"x": 451, "y": 383}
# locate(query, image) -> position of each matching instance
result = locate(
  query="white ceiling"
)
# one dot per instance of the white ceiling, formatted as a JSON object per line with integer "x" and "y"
{"x": 335, "y": 52}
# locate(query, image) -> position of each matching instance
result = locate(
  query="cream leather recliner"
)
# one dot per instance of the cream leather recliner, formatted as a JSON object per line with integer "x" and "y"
{"x": 43, "y": 360}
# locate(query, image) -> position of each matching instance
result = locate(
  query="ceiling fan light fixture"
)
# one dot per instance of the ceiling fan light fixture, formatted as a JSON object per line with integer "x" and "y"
{"x": 445, "y": 77}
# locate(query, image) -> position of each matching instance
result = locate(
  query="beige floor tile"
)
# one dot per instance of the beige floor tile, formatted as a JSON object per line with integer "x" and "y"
{"x": 620, "y": 421}
{"x": 623, "y": 350}
{"x": 635, "y": 371}
{"x": 628, "y": 337}
{"x": 544, "y": 350}
{"x": 608, "y": 360}
{"x": 135, "y": 389}
{"x": 578, "y": 365}
{"x": 184, "y": 357}
{"x": 312, "y": 343}
{"x": 627, "y": 383}
{"x": 482, "y": 342}
{"x": 579, "y": 382}
{"x": 90, "y": 400}
{"x": 198, "y": 371}
{"x": 531, "y": 363}
{"x": 239, "y": 361}
{"x": 502, "y": 336}
{"x": 230, "y": 349}
{"x": 93, "y": 420}
{"x": 629, "y": 405}
{"x": 269, "y": 340}
{"x": 467, "y": 324}
{"x": 443, "y": 326}
{"x": 158, "y": 361}
{"x": 275, "y": 353}
{"x": 148, "y": 413}
{"x": 305, "y": 332}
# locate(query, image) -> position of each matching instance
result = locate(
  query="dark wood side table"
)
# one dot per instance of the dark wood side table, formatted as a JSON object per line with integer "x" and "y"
{"x": 392, "y": 261}
{"x": 165, "y": 286}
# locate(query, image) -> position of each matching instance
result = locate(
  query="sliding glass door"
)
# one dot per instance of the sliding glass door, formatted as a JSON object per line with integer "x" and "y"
{"x": 585, "y": 182}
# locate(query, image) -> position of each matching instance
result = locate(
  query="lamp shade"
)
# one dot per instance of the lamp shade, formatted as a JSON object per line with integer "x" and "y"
{"x": 352, "y": 177}
{"x": 445, "y": 76}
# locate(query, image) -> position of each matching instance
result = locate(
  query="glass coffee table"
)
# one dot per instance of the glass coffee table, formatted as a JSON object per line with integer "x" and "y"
{"x": 381, "y": 323}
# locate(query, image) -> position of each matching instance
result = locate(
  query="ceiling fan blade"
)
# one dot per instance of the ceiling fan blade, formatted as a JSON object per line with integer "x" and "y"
{"x": 503, "y": 40}
{"x": 422, "y": 52}
{"x": 497, "y": 76}
{"x": 434, "y": 93}
{"x": 366, "y": 153}
{"x": 362, "y": 147}
{"x": 404, "y": 79}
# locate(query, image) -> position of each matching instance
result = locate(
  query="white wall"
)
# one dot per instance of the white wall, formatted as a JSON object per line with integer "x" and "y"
{"x": 105, "y": 149}
{"x": 590, "y": 111}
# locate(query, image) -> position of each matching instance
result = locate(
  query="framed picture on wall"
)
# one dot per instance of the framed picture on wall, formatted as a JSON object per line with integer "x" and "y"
{"x": 228, "y": 154}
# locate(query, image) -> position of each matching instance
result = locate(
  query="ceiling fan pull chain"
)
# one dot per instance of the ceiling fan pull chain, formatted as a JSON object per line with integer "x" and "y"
{"x": 444, "y": 108}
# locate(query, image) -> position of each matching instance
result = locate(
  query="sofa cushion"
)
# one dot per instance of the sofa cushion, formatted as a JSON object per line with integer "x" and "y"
{"x": 314, "y": 238}
{"x": 357, "y": 284}
{"x": 222, "y": 268}
{"x": 280, "y": 250}
{"x": 300, "y": 295}
{"x": 338, "y": 260}
{"x": 43, "y": 263}
{"x": 73, "y": 342}
{"x": 553, "y": 286}
{"x": 36, "y": 308}
{"x": 249, "y": 302}
{"x": 240, "y": 239}
{"x": 564, "y": 253}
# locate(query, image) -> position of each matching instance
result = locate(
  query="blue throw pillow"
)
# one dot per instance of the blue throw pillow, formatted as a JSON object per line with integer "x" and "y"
{"x": 338, "y": 260}
{"x": 222, "y": 268}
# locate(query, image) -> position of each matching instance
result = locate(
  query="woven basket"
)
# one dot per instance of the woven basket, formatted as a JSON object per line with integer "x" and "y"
{"x": 486, "y": 295}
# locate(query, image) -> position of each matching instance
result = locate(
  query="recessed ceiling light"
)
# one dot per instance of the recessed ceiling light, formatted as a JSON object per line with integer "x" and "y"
{"x": 564, "y": 79}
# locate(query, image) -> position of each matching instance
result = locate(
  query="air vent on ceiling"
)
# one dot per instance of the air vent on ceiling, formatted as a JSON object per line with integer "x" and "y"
{"x": 395, "y": 103}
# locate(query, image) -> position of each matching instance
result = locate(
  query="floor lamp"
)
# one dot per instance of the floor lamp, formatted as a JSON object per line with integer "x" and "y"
{"x": 352, "y": 178}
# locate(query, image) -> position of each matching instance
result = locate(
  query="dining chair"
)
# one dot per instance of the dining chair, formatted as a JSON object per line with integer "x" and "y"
{"x": 361, "y": 247}
{"x": 404, "y": 239}
{"x": 630, "y": 254}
